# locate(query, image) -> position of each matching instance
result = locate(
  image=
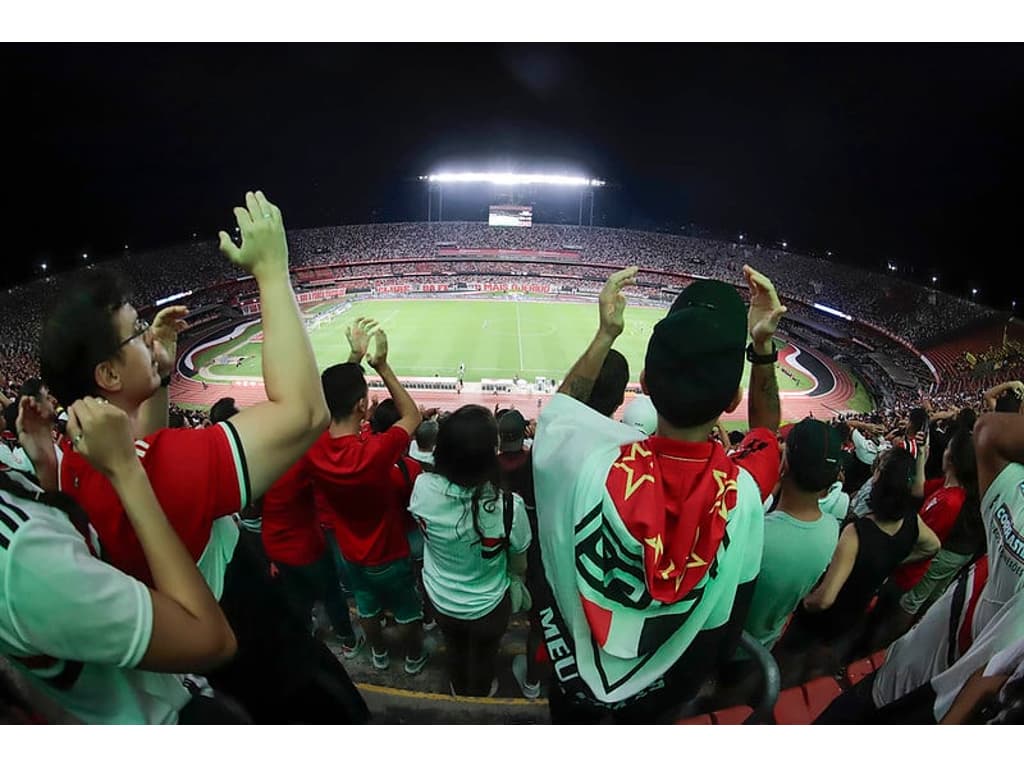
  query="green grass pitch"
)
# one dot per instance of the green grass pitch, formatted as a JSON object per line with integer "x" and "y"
{"x": 495, "y": 339}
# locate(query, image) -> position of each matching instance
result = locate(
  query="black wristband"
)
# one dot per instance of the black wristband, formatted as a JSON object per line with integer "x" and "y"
{"x": 165, "y": 381}
{"x": 756, "y": 359}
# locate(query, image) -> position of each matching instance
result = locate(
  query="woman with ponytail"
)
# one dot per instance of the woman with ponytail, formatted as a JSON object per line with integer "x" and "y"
{"x": 475, "y": 539}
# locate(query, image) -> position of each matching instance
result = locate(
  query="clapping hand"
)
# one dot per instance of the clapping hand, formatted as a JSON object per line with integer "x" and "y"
{"x": 102, "y": 433}
{"x": 168, "y": 323}
{"x": 612, "y": 304}
{"x": 765, "y": 308}
{"x": 264, "y": 248}
{"x": 379, "y": 357}
{"x": 358, "y": 335}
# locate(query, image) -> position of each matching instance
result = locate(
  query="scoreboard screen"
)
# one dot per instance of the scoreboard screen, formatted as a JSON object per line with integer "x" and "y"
{"x": 510, "y": 216}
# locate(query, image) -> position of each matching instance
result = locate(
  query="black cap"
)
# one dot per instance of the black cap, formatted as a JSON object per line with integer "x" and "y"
{"x": 511, "y": 430}
{"x": 694, "y": 359}
{"x": 814, "y": 454}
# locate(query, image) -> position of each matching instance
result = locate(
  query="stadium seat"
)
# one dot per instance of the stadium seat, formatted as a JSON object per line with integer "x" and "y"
{"x": 802, "y": 704}
{"x": 698, "y": 720}
{"x": 732, "y": 715}
{"x": 878, "y": 658}
{"x": 858, "y": 670}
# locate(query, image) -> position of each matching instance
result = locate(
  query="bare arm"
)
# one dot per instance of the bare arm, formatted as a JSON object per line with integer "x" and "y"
{"x": 34, "y": 433}
{"x": 998, "y": 441}
{"x": 763, "y": 406}
{"x": 409, "y": 416}
{"x": 839, "y": 570}
{"x": 579, "y": 382}
{"x": 923, "y": 448}
{"x": 927, "y": 544}
{"x": 276, "y": 433}
{"x": 975, "y": 693}
{"x": 190, "y": 632}
{"x": 993, "y": 394}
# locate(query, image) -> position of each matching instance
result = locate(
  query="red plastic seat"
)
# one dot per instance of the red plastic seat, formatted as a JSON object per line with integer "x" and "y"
{"x": 858, "y": 670}
{"x": 732, "y": 715}
{"x": 801, "y": 705}
{"x": 878, "y": 658}
{"x": 698, "y": 720}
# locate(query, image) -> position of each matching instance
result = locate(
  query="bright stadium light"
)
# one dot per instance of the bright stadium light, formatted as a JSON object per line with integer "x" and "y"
{"x": 43, "y": 265}
{"x": 935, "y": 279}
{"x": 830, "y": 311}
{"x": 85, "y": 257}
{"x": 974, "y": 291}
{"x": 741, "y": 237}
{"x": 784, "y": 244}
{"x": 513, "y": 179}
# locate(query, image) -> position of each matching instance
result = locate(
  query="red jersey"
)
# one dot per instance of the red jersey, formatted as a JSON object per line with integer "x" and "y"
{"x": 403, "y": 480}
{"x": 939, "y": 511}
{"x": 198, "y": 475}
{"x": 354, "y": 489}
{"x": 290, "y": 529}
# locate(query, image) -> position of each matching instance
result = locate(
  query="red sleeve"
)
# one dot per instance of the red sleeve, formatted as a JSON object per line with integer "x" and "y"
{"x": 941, "y": 517}
{"x": 759, "y": 455}
{"x": 931, "y": 486}
{"x": 390, "y": 446}
{"x": 197, "y": 474}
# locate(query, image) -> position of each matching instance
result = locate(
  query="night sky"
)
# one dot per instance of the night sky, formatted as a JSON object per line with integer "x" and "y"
{"x": 905, "y": 153}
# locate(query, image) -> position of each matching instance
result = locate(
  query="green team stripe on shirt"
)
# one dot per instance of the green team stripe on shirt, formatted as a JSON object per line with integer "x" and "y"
{"x": 241, "y": 468}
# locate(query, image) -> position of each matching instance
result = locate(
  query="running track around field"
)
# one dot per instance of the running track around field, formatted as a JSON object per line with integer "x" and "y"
{"x": 795, "y": 406}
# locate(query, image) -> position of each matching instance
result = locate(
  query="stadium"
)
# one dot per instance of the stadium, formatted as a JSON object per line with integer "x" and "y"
{"x": 393, "y": 471}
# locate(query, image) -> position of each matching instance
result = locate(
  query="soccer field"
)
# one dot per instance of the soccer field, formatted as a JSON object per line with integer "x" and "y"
{"x": 495, "y": 339}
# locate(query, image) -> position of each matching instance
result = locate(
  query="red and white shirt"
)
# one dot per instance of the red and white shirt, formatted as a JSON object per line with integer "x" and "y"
{"x": 199, "y": 477}
{"x": 939, "y": 512}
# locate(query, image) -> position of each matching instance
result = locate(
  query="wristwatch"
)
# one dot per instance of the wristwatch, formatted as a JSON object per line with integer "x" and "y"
{"x": 756, "y": 359}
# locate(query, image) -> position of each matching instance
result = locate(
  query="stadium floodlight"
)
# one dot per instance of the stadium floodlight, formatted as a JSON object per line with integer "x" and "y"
{"x": 830, "y": 311}
{"x": 513, "y": 179}
{"x": 784, "y": 244}
{"x": 43, "y": 265}
{"x": 935, "y": 279}
{"x": 741, "y": 237}
{"x": 974, "y": 291}
{"x": 85, "y": 256}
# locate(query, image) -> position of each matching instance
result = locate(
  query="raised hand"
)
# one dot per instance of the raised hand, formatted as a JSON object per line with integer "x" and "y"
{"x": 358, "y": 335}
{"x": 612, "y": 304}
{"x": 380, "y": 350}
{"x": 168, "y": 323}
{"x": 102, "y": 433}
{"x": 264, "y": 248}
{"x": 765, "y": 308}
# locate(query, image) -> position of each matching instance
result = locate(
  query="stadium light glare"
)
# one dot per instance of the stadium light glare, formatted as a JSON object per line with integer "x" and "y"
{"x": 43, "y": 265}
{"x": 974, "y": 291}
{"x": 741, "y": 237}
{"x": 784, "y": 244}
{"x": 935, "y": 279}
{"x": 830, "y": 311}
{"x": 513, "y": 179}
{"x": 85, "y": 256}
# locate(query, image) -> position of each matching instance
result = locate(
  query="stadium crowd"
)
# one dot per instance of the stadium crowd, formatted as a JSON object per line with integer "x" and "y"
{"x": 162, "y": 566}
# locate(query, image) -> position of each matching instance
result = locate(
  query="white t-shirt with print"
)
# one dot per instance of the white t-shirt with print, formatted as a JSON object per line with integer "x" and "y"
{"x": 465, "y": 577}
{"x": 75, "y": 626}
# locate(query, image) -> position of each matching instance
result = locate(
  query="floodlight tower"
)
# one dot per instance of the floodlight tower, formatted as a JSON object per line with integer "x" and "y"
{"x": 586, "y": 186}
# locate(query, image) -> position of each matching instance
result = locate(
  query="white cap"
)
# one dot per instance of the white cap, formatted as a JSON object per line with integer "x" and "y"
{"x": 640, "y": 413}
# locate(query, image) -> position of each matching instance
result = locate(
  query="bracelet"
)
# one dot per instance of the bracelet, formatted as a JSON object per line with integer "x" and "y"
{"x": 756, "y": 359}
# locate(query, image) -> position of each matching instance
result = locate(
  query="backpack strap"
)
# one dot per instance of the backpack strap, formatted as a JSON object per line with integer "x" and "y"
{"x": 506, "y": 498}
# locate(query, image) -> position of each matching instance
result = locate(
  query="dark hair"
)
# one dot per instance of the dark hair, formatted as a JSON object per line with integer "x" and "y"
{"x": 966, "y": 419}
{"x": 965, "y": 467}
{"x": 176, "y": 420}
{"x": 610, "y": 386}
{"x": 79, "y": 334}
{"x": 736, "y": 437}
{"x": 385, "y": 416}
{"x": 918, "y": 420}
{"x": 426, "y": 434}
{"x": 344, "y": 385}
{"x": 11, "y": 416}
{"x": 223, "y": 410}
{"x": 1008, "y": 402}
{"x": 31, "y": 387}
{"x": 890, "y": 495}
{"x": 466, "y": 455}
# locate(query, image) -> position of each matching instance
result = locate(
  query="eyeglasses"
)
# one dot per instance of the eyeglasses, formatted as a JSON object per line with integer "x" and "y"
{"x": 139, "y": 329}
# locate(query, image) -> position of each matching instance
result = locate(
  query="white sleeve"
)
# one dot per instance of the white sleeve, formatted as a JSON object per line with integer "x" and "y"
{"x": 63, "y": 602}
{"x": 520, "y": 536}
{"x": 863, "y": 445}
{"x": 1008, "y": 661}
{"x": 568, "y": 432}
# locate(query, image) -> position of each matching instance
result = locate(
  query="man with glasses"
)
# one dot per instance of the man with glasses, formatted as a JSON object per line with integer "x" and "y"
{"x": 95, "y": 343}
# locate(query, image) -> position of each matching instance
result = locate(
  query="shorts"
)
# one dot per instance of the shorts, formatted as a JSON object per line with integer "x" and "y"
{"x": 391, "y": 585}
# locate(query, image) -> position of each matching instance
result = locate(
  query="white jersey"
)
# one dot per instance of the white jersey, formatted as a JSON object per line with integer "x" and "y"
{"x": 75, "y": 626}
